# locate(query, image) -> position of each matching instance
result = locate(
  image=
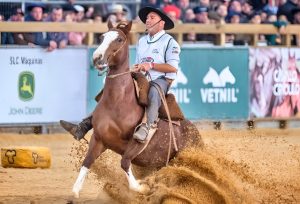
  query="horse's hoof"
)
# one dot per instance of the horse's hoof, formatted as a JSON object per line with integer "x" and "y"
{"x": 144, "y": 188}
{"x": 140, "y": 187}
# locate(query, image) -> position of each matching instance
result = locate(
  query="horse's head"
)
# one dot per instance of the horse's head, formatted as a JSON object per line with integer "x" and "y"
{"x": 113, "y": 48}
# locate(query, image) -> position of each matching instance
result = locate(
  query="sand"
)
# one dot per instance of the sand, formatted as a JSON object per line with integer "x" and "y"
{"x": 235, "y": 166}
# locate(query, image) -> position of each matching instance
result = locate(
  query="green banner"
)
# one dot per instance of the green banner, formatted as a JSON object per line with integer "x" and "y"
{"x": 212, "y": 83}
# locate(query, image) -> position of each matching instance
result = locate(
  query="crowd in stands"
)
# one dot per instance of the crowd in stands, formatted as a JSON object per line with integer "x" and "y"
{"x": 277, "y": 12}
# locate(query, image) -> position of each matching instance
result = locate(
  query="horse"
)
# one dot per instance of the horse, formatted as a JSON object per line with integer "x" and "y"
{"x": 118, "y": 113}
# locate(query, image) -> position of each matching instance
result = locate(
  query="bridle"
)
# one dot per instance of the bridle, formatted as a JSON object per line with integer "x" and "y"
{"x": 113, "y": 55}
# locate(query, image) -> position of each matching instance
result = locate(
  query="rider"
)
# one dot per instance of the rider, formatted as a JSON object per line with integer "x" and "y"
{"x": 157, "y": 53}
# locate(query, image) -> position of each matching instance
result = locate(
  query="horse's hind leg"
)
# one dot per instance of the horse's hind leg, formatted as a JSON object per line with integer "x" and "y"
{"x": 132, "y": 182}
{"x": 96, "y": 147}
{"x": 131, "y": 152}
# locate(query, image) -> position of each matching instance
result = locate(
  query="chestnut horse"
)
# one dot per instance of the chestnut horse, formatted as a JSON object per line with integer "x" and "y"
{"x": 118, "y": 113}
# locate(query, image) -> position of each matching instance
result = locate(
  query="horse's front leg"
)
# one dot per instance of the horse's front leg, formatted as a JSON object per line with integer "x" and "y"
{"x": 96, "y": 148}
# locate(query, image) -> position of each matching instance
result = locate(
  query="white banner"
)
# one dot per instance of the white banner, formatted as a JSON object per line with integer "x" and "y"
{"x": 39, "y": 86}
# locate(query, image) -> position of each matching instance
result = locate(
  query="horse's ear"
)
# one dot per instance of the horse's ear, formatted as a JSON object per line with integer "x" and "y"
{"x": 125, "y": 26}
{"x": 109, "y": 24}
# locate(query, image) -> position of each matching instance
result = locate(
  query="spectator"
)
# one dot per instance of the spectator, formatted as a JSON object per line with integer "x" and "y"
{"x": 275, "y": 39}
{"x": 79, "y": 13}
{"x": 222, "y": 12}
{"x": 296, "y": 20}
{"x": 173, "y": 12}
{"x": 14, "y": 38}
{"x": 89, "y": 14}
{"x": 236, "y": 8}
{"x": 286, "y": 9}
{"x": 76, "y": 38}
{"x": 205, "y": 3}
{"x": 6, "y": 38}
{"x": 36, "y": 38}
{"x": 189, "y": 16}
{"x": 201, "y": 16}
{"x": 69, "y": 13}
{"x": 184, "y": 6}
{"x": 264, "y": 16}
{"x": 61, "y": 38}
{"x": 119, "y": 12}
{"x": 247, "y": 10}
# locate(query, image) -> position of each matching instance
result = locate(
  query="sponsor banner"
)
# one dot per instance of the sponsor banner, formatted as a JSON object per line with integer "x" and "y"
{"x": 211, "y": 83}
{"x": 274, "y": 82}
{"x": 39, "y": 86}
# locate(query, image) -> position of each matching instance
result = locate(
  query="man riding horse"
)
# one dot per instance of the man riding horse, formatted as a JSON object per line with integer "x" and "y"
{"x": 157, "y": 54}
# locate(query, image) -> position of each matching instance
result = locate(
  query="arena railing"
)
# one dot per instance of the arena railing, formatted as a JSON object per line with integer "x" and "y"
{"x": 220, "y": 30}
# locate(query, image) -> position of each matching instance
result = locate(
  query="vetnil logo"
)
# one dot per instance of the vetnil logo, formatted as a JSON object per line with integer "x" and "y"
{"x": 26, "y": 86}
{"x": 181, "y": 93}
{"x": 220, "y": 91}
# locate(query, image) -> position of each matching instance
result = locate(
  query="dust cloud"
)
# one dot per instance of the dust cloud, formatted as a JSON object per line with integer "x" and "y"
{"x": 237, "y": 166}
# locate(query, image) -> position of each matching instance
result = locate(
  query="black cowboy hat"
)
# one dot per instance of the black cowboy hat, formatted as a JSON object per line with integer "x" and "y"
{"x": 143, "y": 12}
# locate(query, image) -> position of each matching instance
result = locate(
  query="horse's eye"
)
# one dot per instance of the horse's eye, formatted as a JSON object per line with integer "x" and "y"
{"x": 120, "y": 40}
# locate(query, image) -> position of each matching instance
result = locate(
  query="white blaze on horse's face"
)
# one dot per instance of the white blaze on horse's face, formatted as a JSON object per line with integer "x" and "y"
{"x": 100, "y": 56}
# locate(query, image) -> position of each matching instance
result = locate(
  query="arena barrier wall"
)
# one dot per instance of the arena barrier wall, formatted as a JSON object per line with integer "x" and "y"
{"x": 42, "y": 87}
{"x": 212, "y": 83}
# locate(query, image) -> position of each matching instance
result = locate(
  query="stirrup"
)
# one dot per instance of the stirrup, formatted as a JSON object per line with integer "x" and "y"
{"x": 148, "y": 132}
{"x": 141, "y": 132}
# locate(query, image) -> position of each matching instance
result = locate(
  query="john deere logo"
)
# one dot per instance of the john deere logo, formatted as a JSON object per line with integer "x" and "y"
{"x": 26, "y": 86}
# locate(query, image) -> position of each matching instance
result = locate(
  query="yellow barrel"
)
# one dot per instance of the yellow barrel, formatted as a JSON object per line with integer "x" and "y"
{"x": 25, "y": 157}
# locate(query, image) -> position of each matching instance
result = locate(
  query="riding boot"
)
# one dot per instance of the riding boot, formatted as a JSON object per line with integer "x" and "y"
{"x": 78, "y": 131}
{"x": 145, "y": 132}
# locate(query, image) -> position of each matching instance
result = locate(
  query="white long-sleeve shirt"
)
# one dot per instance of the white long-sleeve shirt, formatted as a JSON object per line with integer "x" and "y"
{"x": 160, "y": 49}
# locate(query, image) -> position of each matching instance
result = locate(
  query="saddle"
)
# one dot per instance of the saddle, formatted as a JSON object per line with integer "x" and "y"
{"x": 142, "y": 86}
{"x": 142, "y": 89}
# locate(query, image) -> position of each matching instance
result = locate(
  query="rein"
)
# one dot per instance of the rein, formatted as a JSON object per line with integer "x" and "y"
{"x": 172, "y": 134}
{"x": 112, "y": 76}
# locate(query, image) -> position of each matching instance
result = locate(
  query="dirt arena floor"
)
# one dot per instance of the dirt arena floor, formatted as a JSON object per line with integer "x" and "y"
{"x": 235, "y": 166}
